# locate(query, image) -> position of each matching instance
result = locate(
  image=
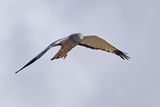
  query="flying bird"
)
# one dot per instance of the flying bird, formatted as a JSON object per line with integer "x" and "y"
{"x": 69, "y": 42}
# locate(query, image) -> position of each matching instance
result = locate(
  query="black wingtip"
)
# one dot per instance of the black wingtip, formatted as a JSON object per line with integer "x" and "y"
{"x": 23, "y": 67}
{"x": 29, "y": 63}
{"x": 18, "y": 71}
{"x": 123, "y": 55}
{"x": 35, "y": 58}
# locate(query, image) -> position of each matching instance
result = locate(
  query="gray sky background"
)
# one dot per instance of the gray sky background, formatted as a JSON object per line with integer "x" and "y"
{"x": 86, "y": 78}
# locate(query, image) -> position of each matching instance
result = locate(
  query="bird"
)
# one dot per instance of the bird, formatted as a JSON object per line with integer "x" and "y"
{"x": 71, "y": 41}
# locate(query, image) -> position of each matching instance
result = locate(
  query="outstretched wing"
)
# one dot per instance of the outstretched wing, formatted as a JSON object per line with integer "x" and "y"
{"x": 42, "y": 53}
{"x": 95, "y": 42}
{"x": 34, "y": 59}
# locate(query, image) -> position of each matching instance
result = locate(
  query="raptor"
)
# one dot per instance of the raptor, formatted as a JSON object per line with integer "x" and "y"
{"x": 69, "y": 42}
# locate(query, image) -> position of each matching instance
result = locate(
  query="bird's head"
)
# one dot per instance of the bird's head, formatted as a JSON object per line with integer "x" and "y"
{"x": 76, "y": 37}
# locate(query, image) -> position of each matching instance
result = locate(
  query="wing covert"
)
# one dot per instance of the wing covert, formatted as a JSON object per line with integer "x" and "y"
{"x": 95, "y": 42}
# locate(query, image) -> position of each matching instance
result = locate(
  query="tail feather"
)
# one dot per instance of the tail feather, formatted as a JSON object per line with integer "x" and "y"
{"x": 55, "y": 57}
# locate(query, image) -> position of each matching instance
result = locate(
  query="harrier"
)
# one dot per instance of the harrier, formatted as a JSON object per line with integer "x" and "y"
{"x": 67, "y": 43}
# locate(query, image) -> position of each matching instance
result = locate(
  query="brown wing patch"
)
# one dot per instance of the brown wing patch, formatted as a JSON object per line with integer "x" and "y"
{"x": 95, "y": 42}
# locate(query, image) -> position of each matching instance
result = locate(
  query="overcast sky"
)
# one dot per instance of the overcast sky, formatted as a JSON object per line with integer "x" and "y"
{"x": 86, "y": 78}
